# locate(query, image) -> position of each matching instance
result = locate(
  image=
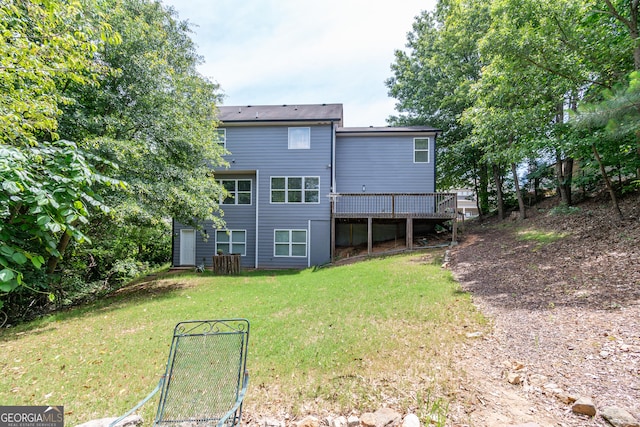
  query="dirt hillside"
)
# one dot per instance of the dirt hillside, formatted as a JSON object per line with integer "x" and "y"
{"x": 565, "y": 314}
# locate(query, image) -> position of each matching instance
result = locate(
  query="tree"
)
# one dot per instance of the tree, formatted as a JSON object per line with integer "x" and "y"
{"x": 47, "y": 184}
{"x": 156, "y": 118}
{"x": 432, "y": 84}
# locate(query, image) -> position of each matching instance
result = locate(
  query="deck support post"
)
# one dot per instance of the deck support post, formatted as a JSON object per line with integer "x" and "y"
{"x": 333, "y": 239}
{"x": 409, "y": 233}
{"x": 454, "y": 230}
{"x": 369, "y": 235}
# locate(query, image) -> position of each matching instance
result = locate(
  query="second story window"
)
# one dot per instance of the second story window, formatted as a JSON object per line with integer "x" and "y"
{"x": 238, "y": 191}
{"x": 421, "y": 150}
{"x": 295, "y": 189}
{"x": 221, "y": 137}
{"x": 299, "y": 138}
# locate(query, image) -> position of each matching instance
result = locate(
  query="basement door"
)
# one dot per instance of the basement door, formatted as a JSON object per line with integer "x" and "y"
{"x": 187, "y": 247}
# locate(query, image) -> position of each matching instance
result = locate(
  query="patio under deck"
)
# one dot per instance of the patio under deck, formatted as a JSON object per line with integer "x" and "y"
{"x": 408, "y": 206}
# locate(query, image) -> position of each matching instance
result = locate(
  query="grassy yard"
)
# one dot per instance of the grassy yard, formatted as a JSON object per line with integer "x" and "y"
{"x": 335, "y": 339}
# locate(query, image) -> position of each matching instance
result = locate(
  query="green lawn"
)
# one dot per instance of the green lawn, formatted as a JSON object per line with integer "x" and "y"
{"x": 333, "y": 339}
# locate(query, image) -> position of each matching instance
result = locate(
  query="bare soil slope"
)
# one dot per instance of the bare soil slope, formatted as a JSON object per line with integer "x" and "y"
{"x": 565, "y": 316}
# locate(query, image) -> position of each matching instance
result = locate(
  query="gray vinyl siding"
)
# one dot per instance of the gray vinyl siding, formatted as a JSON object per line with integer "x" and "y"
{"x": 383, "y": 164}
{"x": 264, "y": 149}
{"x": 237, "y": 217}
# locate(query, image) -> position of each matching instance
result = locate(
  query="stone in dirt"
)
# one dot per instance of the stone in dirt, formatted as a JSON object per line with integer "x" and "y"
{"x": 353, "y": 421}
{"x": 270, "y": 422}
{"x": 384, "y": 417}
{"x": 514, "y": 378}
{"x": 339, "y": 422}
{"x": 585, "y": 406}
{"x": 309, "y": 421}
{"x": 618, "y": 417}
{"x": 411, "y": 420}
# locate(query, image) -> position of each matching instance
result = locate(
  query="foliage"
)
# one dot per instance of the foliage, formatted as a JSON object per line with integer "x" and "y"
{"x": 501, "y": 76}
{"x": 47, "y": 191}
{"x": 432, "y": 83}
{"x": 44, "y": 45}
{"x": 155, "y": 118}
{"x": 118, "y": 78}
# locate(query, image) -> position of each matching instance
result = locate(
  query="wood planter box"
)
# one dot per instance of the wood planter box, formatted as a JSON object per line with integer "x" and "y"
{"x": 226, "y": 264}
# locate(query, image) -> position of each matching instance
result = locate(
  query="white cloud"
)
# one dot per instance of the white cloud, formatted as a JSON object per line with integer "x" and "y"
{"x": 287, "y": 51}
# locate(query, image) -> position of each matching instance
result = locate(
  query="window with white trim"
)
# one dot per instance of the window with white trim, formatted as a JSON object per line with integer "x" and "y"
{"x": 238, "y": 191}
{"x": 290, "y": 243}
{"x": 295, "y": 189}
{"x": 421, "y": 150}
{"x": 231, "y": 242}
{"x": 221, "y": 137}
{"x": 299, "y": 138}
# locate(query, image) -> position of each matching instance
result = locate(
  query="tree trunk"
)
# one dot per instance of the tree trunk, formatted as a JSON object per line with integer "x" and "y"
{"x": 607, "y": 181}
{"x": 516, "y": 181}
{"x": 497, "y": 178}
{"x": 482, "y": 190}
{"x": 638, "y": 152}
{"x": 564, "y": 174}
{"x": 52, "y": 262}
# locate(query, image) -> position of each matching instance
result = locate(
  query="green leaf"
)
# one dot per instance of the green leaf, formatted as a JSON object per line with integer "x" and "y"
{"x": 6, "y": 250}
{"x": 19, "y": 258}
{"x": 52, "y": 297}
{"x": 43, "y": 219}
{"x": 6, "y": 275}
{"x": 54, "y": 227}
{"x": 37, "y": 261}
{"x": 11, "y": 187}
{"x": 5, "y": 287}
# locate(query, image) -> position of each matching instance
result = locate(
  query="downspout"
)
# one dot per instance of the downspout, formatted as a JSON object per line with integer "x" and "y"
{"x": 435, "y": 163}
{"x": 255, "y": 262}
{"x": 308, "y": 243}
{"x": 333, "y": 158}
{"x": 332, "y": 223}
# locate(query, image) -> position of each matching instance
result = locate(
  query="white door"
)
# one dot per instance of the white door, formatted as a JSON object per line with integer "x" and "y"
{"x": 187, "y": 247}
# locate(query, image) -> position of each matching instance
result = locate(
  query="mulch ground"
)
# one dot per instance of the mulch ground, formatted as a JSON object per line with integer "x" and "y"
{"x": 565, "y": 313}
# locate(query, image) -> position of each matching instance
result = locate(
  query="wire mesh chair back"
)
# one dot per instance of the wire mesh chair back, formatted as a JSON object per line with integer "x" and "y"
{"x": 205, "y": 374}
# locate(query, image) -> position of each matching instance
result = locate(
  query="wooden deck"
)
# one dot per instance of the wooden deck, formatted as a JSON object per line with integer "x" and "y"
{"x": 394, "y": 205}
{"x": 407, "y": 206}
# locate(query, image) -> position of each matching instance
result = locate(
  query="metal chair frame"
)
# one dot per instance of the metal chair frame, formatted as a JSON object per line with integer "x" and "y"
{"x": 202, "y": 330}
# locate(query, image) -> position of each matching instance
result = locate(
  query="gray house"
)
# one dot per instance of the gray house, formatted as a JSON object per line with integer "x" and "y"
{"x": 300, "y": 184}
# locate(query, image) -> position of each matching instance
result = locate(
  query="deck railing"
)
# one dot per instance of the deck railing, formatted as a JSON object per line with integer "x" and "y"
{"x": 394, "y": 205}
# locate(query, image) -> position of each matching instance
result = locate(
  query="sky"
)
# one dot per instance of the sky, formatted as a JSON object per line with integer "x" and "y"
{"x": 292, "y": 52}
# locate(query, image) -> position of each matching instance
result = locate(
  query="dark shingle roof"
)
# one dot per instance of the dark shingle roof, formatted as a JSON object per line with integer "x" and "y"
{"x": 280, "y": 113}
{"x": 386, "y": 129}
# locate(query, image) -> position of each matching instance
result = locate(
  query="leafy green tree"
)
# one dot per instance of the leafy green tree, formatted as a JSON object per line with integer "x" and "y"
{"x": 47, "y": 184}
{"x": 432, "y": 82}
{"x": 155, "y": 117}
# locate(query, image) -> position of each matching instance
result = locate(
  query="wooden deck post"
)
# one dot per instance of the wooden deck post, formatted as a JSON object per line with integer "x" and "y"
{"x": 369, "y": 235}
{"x": 333, "y": 238}
{"x": 226, "y": 264}
{"x": 409, "y": 233}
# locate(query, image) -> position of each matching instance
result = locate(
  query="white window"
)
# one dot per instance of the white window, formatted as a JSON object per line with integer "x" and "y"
{"x": 231, "y": 242}
{"x": 290, "y": 243}
{"x": 221, "y": 137}
{"x": 238, "y": 191}
{"x": 299, "y": 138}
{"x": 295, "y": 189}
{"x": 421, "y": 150}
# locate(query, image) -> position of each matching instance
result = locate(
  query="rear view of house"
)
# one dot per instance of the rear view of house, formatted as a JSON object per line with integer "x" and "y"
{"x": 298, "y": 181}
